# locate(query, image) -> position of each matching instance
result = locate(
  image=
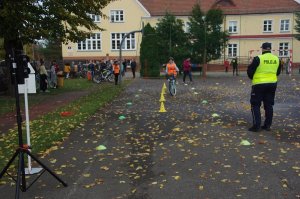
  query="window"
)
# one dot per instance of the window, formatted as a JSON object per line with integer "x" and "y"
{"x": 116, "y": 16}
{"x": 284, "y": 25}
{"x": 187, "y": 27}
{"x": 232, "y": 27}
{"x": 232, "y": 50}
{"x": 268, "y": 25}
{"x": 92, "y": 43}
{"x": 284, "y": 49}
{"x": 95, "y": 18}
{"x": 128, "y": 44}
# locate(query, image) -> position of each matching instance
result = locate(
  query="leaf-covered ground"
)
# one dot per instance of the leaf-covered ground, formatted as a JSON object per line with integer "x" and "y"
{"x": 198, "y": 148}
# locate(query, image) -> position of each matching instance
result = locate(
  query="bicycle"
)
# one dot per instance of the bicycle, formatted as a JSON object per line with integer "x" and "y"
{"x": 172, "y": 85}
{"x": 103, "y": 75}
{"x": 37, "y": 81}
{"x": 52, "y": 82}
{"x": 82, "y": 73}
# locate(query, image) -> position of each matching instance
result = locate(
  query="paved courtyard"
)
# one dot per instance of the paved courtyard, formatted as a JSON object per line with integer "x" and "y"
{"x": 198, "y": 148}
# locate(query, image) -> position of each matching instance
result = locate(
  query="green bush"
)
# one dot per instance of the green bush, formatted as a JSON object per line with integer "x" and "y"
{"x": 149, "y": 56}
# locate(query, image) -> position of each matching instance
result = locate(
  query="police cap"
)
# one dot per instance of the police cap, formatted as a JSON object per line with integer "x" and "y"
{"x": 266, "y": 46}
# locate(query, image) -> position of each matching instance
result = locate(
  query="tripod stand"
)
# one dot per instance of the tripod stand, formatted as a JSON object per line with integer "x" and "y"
{"x": 23, "y": 149}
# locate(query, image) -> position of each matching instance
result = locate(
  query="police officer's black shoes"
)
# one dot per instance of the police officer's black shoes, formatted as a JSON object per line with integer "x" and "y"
{"x": 254, "y": 129}
{"x": 265, "y": 128}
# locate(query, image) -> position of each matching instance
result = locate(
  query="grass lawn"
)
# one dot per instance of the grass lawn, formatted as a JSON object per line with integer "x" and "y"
{"x": 8, "y": 102}
{"x": 51, "y": 129}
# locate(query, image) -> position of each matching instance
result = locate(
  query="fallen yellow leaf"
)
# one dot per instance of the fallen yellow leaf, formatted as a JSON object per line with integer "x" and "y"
{"x": 176, "y": 177}
{"x": 86, "y": 175}
{"x": 105, "y": 168}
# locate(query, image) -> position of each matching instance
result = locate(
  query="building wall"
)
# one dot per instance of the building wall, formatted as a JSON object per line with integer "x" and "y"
{"x": 132, "y": 21}
{"x": 249, "y": 35}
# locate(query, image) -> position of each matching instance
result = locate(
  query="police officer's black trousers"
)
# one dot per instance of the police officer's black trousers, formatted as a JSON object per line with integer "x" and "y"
{"x": 262, "y": 93}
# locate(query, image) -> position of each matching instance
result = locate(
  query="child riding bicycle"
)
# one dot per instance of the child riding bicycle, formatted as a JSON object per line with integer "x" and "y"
{"x": 171, "y": 68}
{"x": 171, "y": 71}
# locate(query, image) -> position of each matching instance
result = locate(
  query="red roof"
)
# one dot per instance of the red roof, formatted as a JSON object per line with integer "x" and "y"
{"x": 184, "y": 7}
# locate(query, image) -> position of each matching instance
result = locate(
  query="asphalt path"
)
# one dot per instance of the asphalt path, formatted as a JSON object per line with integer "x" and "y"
{"x": 198, "y": 148}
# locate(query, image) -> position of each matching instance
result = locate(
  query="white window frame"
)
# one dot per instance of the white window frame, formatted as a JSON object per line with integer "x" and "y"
{"x": 95, "y": 18}
{"x": 187, "y": 27}
{"x": 268, "y": 23}
{"x": 284, "y": 49}
{"x": 116, "y": 16}
{"x": 231, "y": 48}
{"x": 92, "y": 43}
{"x": 233, "y": 26}
{"x": 129, "y": 42}
{"x": 285, "y": 25}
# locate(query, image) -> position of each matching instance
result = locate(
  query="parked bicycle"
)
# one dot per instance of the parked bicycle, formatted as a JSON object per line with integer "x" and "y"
{"x": 50, "y": 83}
{"x": 37, "y": 81}
{"x": 103, "y": 75}
{"x": 172, "y": 85}
{"x": 82, "y": 73}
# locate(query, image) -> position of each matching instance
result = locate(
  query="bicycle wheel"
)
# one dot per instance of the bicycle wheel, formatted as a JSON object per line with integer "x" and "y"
{"x": 172, "y": 88}
{"x": 51, "y": 84}
{"x": 37, "y": 81}
{"x": 97, "y": 78}
{"x": 82, "y": 74}
{"x": 110, "y": 77}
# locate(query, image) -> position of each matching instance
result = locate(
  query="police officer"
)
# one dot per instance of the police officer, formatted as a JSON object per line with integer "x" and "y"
{"x": 263, "y": 72}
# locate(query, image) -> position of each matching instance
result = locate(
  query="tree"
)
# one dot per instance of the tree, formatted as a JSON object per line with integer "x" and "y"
{"x": 149, "y": 55}
{"x": 24, "y": 21}
{"x": 2, "y": 52}
{"x": 173, "y": 40}
{"x": 208, "y": 39}
{"x": 51, "y": 50}
{"x": 297, "y": 27}
{"x": 197, "y": 33}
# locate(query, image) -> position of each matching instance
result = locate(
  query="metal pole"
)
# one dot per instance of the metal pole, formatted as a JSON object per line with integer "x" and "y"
{"x": 121, "y": 44}
{"x": 27, "y": 120}
{"x": 170, "y": 42}
{"x": 204, "y": 56}
{"x": 21, "y": 169}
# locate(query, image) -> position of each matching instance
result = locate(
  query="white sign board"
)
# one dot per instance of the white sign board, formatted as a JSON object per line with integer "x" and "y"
{"x": 31, "y": 87}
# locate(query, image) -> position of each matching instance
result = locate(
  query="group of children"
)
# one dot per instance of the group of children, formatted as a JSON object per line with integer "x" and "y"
{"x": 45, "y": 76}
{"x": 92, "y": 66}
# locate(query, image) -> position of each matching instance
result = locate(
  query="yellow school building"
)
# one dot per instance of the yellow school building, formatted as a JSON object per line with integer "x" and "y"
{"x": 249, "y": 24}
